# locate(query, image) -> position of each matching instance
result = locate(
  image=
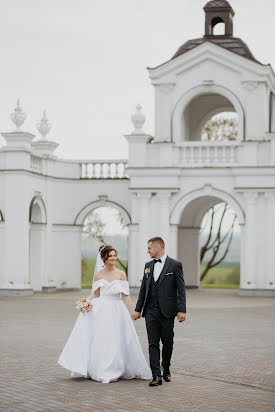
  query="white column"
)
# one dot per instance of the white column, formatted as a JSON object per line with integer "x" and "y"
{"x": 15, "y": 279}
{"x": 136, "y": 245}
{"x": 163, "y": 107}
{"x": 173, "y": 244}
{"x": 133, "y": 255}
{"x": 65, "y": 256}
{"x": 270, "y": 241}
{"x": 37, "y": 256}
{"x": 48, "y": 280}
{"x": 189, "y": 254}
{"x": 249, "y": 243}
{"x": 242, "y": 256}
{"x": 162, "y": 214}
{"x": 144, "y": 221}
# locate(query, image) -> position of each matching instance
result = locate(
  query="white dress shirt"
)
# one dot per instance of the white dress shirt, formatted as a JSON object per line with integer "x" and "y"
{"x": 159, "y": 266}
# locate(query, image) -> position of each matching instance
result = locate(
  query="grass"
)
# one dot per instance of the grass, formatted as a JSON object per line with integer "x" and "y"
{"x": 224, "y": 276}
{"x": 87, "y": 272}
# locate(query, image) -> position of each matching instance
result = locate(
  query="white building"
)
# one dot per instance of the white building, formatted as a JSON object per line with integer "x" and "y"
{"x": 170, "y": 181}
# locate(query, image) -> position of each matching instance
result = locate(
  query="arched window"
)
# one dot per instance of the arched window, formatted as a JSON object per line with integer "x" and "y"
{"x": 217, "y": 26}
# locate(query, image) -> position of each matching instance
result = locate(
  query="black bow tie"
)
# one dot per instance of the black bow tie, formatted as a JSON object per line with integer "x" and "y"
{"x": 156, "y": 260}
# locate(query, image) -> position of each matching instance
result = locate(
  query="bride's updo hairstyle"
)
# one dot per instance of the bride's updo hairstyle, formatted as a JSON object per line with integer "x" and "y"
{"x": 104, "y": 252}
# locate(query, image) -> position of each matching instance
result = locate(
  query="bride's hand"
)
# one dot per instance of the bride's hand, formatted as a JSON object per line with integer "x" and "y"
{"x": 135, "y": 315}
{"x": 89, "y": 308}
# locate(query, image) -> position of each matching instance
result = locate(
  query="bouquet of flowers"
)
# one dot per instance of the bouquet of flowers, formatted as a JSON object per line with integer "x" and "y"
{"x": 83, "y": 305}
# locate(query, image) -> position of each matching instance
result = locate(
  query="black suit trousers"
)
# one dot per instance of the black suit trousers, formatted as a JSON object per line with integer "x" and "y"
{"x": 159, "y": 329}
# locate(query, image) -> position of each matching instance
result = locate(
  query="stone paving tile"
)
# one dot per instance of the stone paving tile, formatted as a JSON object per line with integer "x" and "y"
{"x": 223, "y": 358}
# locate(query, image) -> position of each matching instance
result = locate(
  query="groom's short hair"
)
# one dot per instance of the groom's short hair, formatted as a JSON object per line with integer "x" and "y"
{"x": 157, "y": 240}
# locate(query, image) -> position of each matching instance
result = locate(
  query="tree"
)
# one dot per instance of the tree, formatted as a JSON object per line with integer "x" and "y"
{"x": 214, "y": 241}
{"x": 220, "y": 127}
{"x": 94, "y": 227}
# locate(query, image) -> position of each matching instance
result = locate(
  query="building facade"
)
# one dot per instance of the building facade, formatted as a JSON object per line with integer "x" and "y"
{"x": 166, "y": 185}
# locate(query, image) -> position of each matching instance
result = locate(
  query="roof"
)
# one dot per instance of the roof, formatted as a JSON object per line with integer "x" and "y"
{"x": 233, "y": 44}
{"x": 217, "y": 3}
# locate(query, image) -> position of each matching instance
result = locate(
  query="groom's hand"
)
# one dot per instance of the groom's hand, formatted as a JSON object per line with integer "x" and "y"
{"x": 181, "y": 316}
{"x": 135, "y": 315}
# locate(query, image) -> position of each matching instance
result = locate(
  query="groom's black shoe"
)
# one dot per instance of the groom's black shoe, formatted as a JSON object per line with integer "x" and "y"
{"x": 166, "y": 375}
{"x": 156, "y": 381}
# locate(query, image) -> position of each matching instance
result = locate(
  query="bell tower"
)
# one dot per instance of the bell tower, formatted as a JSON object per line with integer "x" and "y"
{"x": 218, "y": 11}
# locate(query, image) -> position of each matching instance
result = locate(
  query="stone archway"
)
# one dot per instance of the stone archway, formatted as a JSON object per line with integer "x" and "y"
{"x": 37, "y": 243}
{"x": 198, "y": 105}
{"x": 81, "y": 216}
{"x": 89, "y": 244}
{"x": 187, "y": 216}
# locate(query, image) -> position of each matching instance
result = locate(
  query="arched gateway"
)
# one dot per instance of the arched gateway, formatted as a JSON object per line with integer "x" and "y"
{"x": 168, "y": 181}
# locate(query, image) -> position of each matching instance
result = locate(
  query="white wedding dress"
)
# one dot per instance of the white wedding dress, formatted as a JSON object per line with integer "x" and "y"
{"x": 103, "y": 344}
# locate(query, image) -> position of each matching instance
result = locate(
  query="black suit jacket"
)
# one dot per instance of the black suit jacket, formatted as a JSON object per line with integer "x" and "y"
{"x": 171, "y": 290}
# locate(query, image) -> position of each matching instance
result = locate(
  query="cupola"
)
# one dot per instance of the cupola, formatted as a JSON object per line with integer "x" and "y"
{"x": 218, "y": 11}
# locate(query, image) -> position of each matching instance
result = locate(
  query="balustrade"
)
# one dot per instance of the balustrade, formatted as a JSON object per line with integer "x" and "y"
{"x": 103, "y": 169}
{"x": 194, "y": 154}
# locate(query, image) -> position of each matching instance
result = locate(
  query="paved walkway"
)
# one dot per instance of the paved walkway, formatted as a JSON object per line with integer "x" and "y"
{"x": 223, "y": 358}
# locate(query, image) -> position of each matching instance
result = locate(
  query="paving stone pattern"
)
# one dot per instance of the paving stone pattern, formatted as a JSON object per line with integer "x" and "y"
{"x": 223, "y": 358}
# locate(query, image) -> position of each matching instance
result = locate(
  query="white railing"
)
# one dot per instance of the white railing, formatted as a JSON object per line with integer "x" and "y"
{"x": 194, "y": 154}
{"x": 103, "y": 169}
{"x": 36, "y": 164}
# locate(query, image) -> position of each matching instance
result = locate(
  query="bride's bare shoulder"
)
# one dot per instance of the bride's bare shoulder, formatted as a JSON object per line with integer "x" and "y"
{"x": 98, "y": 275}
{"x": 122, "y": 275}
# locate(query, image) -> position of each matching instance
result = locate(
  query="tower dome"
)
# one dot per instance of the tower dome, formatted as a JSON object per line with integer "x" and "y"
{"x": 218, "y": 11}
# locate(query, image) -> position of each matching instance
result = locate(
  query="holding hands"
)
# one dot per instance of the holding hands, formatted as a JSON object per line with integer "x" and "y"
{"x": 135, "y": 315}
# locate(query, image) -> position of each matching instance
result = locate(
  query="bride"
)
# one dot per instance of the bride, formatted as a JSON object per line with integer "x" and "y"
{"x": 103, "y": 344}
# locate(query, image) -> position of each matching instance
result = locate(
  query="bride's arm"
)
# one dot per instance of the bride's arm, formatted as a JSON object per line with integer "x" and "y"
{"x": 128, "y": 302}
{"x": 96, "y": 293}
{"x": 93, "y": 295}
{"x": 126, "y": 298}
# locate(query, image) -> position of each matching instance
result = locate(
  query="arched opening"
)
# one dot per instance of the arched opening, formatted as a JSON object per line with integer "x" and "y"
{"x": 103, "y": 225}
{"x": 188, "y": 215}
{"x": 197, "y": 106}
{"x": 200, "y": 110}
{"x": 37, "y": 218}
{"x": 217, "y": 26}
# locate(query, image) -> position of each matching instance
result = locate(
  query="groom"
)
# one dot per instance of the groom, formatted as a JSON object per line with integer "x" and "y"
{"x": 161, "y": 297}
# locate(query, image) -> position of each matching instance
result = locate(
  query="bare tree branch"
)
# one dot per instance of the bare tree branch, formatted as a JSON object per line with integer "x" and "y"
{"x": 215, "y": 245}
{"x": 204, "y": 247}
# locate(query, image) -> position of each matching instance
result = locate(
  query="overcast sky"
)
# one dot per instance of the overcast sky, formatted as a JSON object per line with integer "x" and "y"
{"x": 85, "y": 62}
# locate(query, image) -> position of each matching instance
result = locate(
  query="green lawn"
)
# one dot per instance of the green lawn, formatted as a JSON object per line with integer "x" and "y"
{"x": 225, "y": 276}
{"x": 87, "y": 272}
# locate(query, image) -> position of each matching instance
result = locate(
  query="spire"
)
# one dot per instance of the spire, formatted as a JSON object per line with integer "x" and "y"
{"x": 218, "y": 11}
